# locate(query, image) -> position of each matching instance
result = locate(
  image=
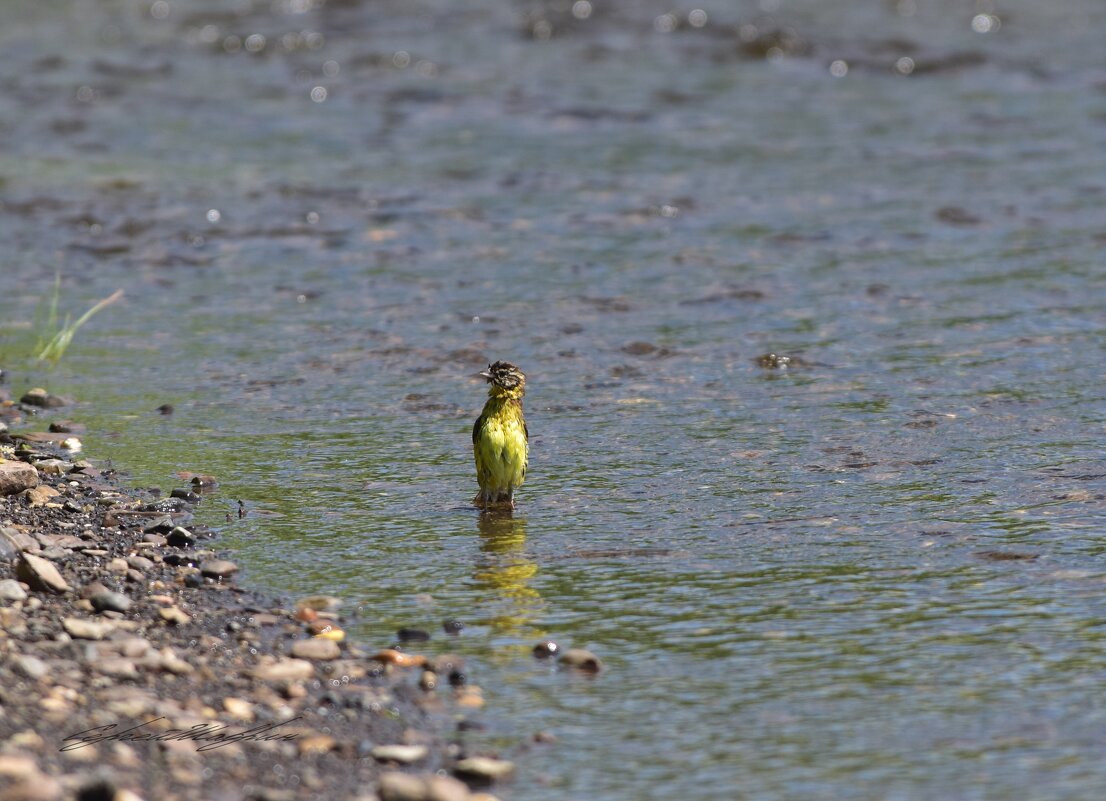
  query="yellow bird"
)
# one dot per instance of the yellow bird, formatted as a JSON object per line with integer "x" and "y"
{"x": 500, "y": 441}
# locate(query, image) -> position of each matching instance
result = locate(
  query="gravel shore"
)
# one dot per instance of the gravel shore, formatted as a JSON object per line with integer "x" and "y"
{"x": 132, "y": 667}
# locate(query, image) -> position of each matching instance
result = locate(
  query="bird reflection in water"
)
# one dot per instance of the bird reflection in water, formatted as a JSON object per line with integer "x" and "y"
{"x": 504, "y": 568}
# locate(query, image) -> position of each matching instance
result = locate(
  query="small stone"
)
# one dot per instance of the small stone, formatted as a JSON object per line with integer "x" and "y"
{"x": 31, "y": 666}
{"x": 155, "y": 539}
{"x": 218, "y": 568}
{"x": 16, "y": 477}
{"x": 39, "y": 574}
{"x": 118, "y": 566}
{"x": 52, "y": 467}
{"x": 546, "y": 649}
{"x": 140, "y": 563}
{"x": 12, "y": 590}
{"x": 320, "y": 603}
{"x": 474, "y": 797}
{"x": 180, "y": 537}
{"x": 67, "y": 427}
{"x": 174, "y": 616}
{"x": 41, "y": 495}
{"x": 581, "y": 660}
{"x": 40, "y": 397}
{"x": 390, "y": 656}
{"x": 239, "y": 709}
{"x": 284, "y": 670}
{"x": 326, "y": 630}
{"x": 429, "y": 680}
{"x": 316, "y": 744}
{"x": 403, "y": 754}
{"x": 108, "y": 601}
{"x": 316, "y": 648}
{"x": 453, "y": 626}
{"x": 396, "y": 786}
{"x": 484, "y": 768}
{"x": 82, "y": 629}
{"x": 446, "y": 788}
{"x": 72, "y": 444}
{"x": 185, "y": 495}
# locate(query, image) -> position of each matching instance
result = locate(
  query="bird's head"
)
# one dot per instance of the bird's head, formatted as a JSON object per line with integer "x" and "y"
{"x": 505, "y": 379}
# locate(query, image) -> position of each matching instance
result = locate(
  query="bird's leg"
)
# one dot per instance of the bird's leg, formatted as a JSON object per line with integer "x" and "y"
{"x": 511, "y": 498}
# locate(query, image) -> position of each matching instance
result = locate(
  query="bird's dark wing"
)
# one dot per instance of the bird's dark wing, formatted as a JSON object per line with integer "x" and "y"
{"x": 525, "y": 431}
{"x": 476, "y": 428}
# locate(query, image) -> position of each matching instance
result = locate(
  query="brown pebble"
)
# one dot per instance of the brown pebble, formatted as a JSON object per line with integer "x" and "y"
{"x": 16, "y": 477}
{"x": 218, "y": 568}
{"x": 39, "y": 574}
{"x": 581, "y": 660}
{"x": 174, "y": 616}
{"x": 316, "y": 649}
{"x": 390, "y": 656}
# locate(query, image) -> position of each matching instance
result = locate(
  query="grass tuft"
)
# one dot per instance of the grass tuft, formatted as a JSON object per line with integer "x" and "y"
{"x": 51, "y": 350}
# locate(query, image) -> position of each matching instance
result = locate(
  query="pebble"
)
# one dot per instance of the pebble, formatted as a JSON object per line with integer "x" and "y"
{"x": 403, "y": 754}
{"x": 544, "y": 650}
{"x": 40, "y": 397}
{"x": 239, "y": 709}
{"x": 82, "y": 629}
{"x": 390, "y": 656}
{"x": 21, "y": 541}
{"x": 453, "y": 626}
{"x": 16, "y": 477}
{"x": 12, "y": 590}
{"x": 185, "y": 495}
{"x": 446, "y": 663}
{"x": 412, "y": 635}
{"x": 51, "y": 467}
{"x": 174, "y": 616}
{"x": 396, "y": 786}
{"x": 31, "y": 666}
{"x": 118, "y": 566}
{"x": 316, "y": 744}
{"x": 316, "y": 649}
{"x": 484, "y": 768}
{"x": 581, "y": 660}
{"x": 326, "y": 630}
{"x": 108, "y": 601}
{"x": 320, "y": 603}
{"x": 284, "y": 670}
{"x": 180, "y": 537}
{"x": 41, "y": 495}
{"x": 140, "y": 563}
{"x": 429, "y": 680}
{"x": 39, "y": 574}
{"x": 217, "y": 568}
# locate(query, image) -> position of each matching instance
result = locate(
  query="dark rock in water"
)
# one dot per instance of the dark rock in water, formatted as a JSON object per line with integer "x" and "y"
{"x": 40, "y": 397}
{"x": 155, "y": 539}
{"x": 412, "y": 635}
{"x": 165, "y": 408}
{"x": 453, "y": 626}
{"x": 180, "y": 537}
{"x": 16, "y": 477}
{"x": 544, "y": 650}
{"x": 108, "y": 601}
{"x": 457, "y": 678}
{"x": 66, "y": 427}
{"x": 185, "y": 495}
{"x": 98, "y": 789}
{"x": 194, "y": 581}
{"x": 581, "y": 660}
{"x": 775, "y": 361}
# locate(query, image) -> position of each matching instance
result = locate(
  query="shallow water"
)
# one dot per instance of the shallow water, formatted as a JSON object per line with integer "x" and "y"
{"x": 796, "y": 578}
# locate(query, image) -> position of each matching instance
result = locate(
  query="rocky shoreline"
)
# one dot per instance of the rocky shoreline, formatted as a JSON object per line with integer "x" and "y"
{"x": 132, "y": 666}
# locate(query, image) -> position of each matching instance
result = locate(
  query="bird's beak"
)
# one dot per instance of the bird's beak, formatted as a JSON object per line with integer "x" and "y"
{"x": 485, "y": 375}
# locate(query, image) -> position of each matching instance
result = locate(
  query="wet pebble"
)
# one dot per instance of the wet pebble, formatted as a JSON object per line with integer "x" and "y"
{"x": 581, "y": 660}
{"x": 390, "y": 656}
{"x": 544, "y": 650}
{"x": 40, "y": 495}
{"x": 218, "y": 568}
{"x": 140, "y": 563}
{"x": 180, "y": 537}
{"x": 39, "y": 574}
{"x": 428, "y": 680}
{"x": 185, "y": 495}
{"x": 453, "y": 626}
{"x": 43, "y": 399}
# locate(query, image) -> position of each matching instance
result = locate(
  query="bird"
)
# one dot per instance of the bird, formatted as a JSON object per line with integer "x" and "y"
{"x": 500, "y": 441}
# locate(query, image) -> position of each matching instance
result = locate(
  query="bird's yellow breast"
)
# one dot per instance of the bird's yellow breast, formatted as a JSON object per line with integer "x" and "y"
{"x": 499, "y": 443}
